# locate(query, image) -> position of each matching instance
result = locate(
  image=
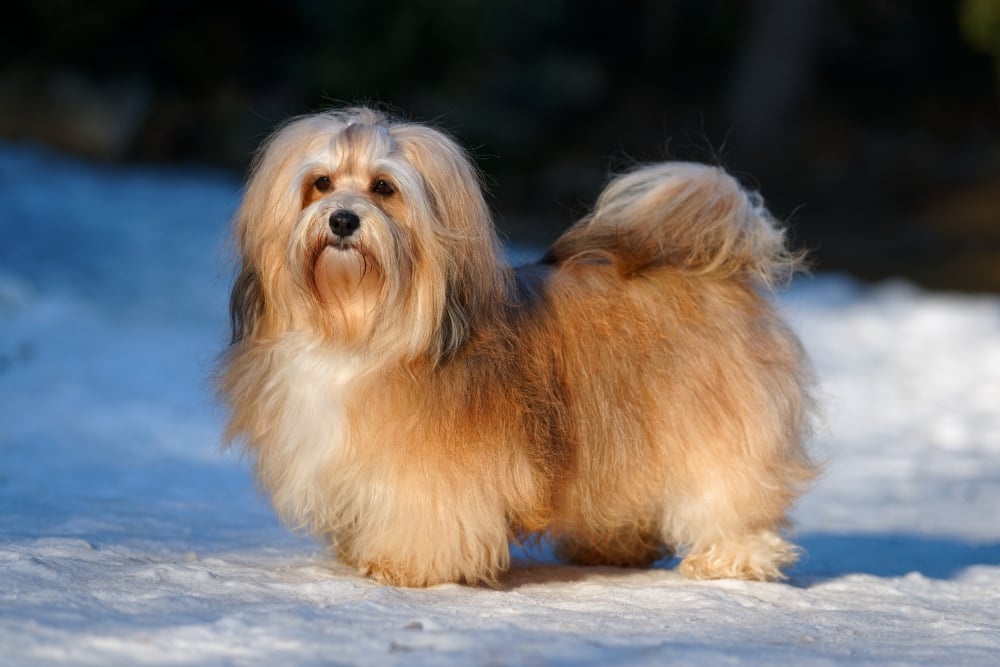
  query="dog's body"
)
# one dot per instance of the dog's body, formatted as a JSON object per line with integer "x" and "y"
{"x": 412, "y": 398}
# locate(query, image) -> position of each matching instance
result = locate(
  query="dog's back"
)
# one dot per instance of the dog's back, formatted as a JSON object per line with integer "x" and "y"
{"x": 686, "y": 398}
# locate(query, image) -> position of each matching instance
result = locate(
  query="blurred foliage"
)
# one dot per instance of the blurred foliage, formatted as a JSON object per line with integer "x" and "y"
{"x": 873, "y": 123}
{"x": 980, "y": 21}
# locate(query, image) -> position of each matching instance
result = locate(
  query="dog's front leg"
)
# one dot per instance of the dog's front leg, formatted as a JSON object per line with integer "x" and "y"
{"x": 426, "y": 531}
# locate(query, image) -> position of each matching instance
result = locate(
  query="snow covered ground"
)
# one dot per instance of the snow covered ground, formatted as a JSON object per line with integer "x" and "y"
{"x": 128, "y": 537}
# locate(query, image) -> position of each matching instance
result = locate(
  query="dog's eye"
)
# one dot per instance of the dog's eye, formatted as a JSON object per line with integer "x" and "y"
{"x": 383, "y": 187}
{"x": 322, "y": 184}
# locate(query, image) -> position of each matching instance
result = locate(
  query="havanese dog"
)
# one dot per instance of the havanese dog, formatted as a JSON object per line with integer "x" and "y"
{"x": 412, "y": 399}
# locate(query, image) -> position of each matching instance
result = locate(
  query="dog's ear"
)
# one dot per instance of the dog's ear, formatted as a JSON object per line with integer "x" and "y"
{"x": 450, "y": 179}
{"x": 477, "y": 279}
{"x": 246, "y": 305}
{"x": 271, "y": 201}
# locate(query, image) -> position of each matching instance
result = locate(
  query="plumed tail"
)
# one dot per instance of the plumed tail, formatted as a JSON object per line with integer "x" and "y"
{"x": 689, "y": 216}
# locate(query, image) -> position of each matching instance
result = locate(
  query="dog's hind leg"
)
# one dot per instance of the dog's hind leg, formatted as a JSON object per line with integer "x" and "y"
{"x": 729, "y": 524}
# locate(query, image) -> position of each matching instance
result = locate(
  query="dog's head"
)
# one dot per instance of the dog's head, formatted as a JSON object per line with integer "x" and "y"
{"x": 368, "y": 232}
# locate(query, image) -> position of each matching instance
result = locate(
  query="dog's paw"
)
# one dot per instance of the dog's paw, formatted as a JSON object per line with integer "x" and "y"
{"x": 392, "y": 574}
{"x": 759, "y": 557}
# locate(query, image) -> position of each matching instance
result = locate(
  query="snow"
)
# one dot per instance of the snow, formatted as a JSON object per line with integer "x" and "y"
{"x": 128, "y": 536}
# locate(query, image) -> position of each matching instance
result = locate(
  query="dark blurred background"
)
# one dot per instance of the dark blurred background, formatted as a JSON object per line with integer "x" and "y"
{"x": 873, "y": 126}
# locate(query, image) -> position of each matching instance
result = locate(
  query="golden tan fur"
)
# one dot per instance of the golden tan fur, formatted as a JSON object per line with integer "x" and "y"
{"x": 410, "y": 397}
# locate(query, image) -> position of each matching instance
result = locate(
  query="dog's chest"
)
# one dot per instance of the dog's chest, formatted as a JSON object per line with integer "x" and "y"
{"x": 310, "y": 385}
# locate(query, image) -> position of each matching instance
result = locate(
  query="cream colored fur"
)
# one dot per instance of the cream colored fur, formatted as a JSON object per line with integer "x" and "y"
{"x": 408, "y": 396}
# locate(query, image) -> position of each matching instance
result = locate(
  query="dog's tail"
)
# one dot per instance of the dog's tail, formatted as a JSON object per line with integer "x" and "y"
{"x": 689, "y": 216}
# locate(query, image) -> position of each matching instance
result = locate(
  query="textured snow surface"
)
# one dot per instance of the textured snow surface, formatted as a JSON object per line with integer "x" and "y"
{"x": 128, "y": 537}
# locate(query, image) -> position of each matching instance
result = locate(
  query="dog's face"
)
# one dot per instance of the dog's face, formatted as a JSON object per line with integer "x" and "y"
{"x": 368, "y": 233}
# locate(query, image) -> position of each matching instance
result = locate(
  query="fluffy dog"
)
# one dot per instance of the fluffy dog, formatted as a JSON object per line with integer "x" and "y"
{"x": 408, "y": 396}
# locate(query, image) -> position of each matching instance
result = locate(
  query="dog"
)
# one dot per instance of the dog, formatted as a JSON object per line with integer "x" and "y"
{"x": 411, "y": 399}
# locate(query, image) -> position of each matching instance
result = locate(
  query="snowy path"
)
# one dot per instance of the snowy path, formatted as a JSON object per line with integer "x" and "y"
{"x": 127, "y": 537}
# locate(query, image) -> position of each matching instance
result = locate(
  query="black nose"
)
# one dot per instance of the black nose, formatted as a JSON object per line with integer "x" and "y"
{"x": 344, "y": 223}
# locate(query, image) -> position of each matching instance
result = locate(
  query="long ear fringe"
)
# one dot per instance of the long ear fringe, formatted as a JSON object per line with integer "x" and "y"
{"x": 246, "y": 305}
{"x": 478, "y": 281}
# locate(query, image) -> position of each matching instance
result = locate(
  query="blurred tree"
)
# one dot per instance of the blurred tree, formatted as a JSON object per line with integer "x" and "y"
{"x": 773, "y": 73}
